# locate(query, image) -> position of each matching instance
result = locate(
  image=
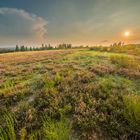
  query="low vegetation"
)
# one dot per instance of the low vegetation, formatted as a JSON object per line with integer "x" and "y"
{"x": 73, "y": 94}
{"x": 129, "y": 49}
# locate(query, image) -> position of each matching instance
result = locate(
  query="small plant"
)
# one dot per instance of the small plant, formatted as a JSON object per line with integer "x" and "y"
{"x": 35, "y": 136}
{"x": 58, "y": 78}
{"x": 22, "y": 134}
{"x": 57, "y": 130}
{"x": 49, "y": 84}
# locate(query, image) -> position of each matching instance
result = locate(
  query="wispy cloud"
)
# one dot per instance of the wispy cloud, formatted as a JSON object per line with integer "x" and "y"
{"x": 18, "y": 26}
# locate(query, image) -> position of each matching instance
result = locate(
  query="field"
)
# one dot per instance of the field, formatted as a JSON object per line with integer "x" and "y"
{"x": 71, "y": 94}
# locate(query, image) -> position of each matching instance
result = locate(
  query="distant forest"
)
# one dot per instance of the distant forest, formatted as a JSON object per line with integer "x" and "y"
{"x": 22, "y": 48}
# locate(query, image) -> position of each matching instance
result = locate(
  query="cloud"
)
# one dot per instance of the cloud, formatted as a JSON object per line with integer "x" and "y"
{"x": 20, "y": 26}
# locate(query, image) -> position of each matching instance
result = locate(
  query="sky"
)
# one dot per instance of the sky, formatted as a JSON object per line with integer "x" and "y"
{"x": 80, "y": 22}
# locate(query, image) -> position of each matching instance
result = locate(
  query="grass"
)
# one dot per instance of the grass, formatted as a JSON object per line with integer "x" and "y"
{"x": 128, "y": 49}
{"x": 8, "y": 132}
{"x": 124, "y": 61}
{"x": 96, "y": 90}
{"x": 132, "y": 112}
{"x": 57, "y": 130}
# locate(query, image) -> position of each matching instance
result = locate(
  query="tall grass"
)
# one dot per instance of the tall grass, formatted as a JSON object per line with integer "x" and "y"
{"x": 57, "y": 130}
{"x": 35, "y": 136}
{"x": 129, "y": 49}
{"x": 7, "y": 132}
{"x": 123, "y": 61}
{"x": 132, "y": 112}
{"x": 52, "y": 129}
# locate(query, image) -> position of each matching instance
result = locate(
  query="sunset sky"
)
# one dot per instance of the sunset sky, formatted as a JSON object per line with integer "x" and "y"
{"x": 80, "y": 22}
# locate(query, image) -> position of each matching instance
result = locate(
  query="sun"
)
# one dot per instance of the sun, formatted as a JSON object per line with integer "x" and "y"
{"x": 126, "y": 33}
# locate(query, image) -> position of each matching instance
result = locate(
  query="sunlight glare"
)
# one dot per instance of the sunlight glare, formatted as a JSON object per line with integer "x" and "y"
{"x": 127, "y": 33}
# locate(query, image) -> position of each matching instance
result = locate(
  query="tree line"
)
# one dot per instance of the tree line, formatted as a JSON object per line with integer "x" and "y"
{"x": 22, "y": 48}
{"x": 43, "y": 47}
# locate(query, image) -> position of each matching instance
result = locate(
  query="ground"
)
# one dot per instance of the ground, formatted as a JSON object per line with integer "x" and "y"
{"x": 95, "y": 93}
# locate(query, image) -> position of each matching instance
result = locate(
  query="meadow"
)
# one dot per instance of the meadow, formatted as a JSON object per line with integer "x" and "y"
{"x": 70, "y": 94}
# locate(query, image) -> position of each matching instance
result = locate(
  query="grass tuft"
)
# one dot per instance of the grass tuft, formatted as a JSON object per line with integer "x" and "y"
{"x": 57, "y": 130}
{"x": 7, "y": 132}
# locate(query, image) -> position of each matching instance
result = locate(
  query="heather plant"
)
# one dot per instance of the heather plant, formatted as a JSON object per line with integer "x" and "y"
{"x": 102, "y": 111}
